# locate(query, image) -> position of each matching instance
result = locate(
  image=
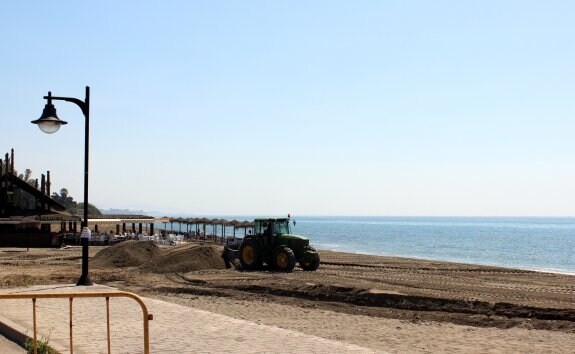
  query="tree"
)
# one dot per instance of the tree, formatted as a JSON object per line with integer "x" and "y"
{"x": 65, "y": 199}
{"x": 92, "y": 210}
{"x": 26, "y": 176}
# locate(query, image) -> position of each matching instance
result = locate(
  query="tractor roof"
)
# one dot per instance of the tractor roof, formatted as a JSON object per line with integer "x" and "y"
{"x": 272, "y": 219}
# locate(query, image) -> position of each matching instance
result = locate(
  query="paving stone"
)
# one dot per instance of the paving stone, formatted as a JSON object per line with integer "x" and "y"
{"x": 175, "y": 329}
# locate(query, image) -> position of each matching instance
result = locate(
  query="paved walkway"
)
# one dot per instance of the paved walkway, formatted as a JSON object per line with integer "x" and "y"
{"x": 9, "y": 347}
{"x": 174, "y": 329}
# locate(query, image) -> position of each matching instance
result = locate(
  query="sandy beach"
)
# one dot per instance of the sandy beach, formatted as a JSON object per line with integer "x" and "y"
{"x": 387, "y": 304}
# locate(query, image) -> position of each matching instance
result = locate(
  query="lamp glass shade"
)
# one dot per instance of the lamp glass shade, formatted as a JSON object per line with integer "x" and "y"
{"x": 49, "y": 125}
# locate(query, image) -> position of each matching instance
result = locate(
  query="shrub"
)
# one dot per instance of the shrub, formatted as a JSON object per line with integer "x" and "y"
{"x": 42, "y": 346}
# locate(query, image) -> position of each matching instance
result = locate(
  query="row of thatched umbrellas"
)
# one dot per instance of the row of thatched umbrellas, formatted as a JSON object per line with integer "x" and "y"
{"x": 246, "y": 225}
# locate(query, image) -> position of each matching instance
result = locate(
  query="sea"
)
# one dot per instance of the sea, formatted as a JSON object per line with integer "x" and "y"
{"x": 532, "y": 243}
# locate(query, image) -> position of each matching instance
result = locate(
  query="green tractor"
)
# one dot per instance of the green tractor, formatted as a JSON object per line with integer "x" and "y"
{"x": 273, "y": 244}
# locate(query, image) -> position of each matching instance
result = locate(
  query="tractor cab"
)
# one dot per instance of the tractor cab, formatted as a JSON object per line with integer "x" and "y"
{"x": 270, "y": 229}
{"x": 272, "y": 226}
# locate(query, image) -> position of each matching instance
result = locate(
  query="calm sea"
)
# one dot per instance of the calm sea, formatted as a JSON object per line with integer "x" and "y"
{"x": 526, "y": 243}
{"x": 546, "y": 244}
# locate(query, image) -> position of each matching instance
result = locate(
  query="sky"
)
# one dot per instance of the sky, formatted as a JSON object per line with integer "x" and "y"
{"x": 399, "y": 108}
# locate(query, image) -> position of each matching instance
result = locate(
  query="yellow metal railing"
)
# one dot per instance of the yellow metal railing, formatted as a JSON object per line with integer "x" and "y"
{"x": 71, "y": 296}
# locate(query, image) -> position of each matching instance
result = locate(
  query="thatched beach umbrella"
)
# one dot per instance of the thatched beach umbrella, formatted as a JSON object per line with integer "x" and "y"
{"x": 185, "y": 222}
{"x": 179, "y": 220}
{"x": 245, "y": 225}
{"x": 214, "y": 222}
{"x": 221, "y": 222}
{"x": 172, "y": 221}
{"x": 250, "y": 225}
{"x": 226, "y": 224}
{"x": 204, "y": 222}
{"x": 165, "y": 222}
{"x": 239, "y": 225}
{"x": 188, "y": 222}
{"x": 197, "y": 223}
{"x": 191, "y": 221}
{"x": 233, "y": 223}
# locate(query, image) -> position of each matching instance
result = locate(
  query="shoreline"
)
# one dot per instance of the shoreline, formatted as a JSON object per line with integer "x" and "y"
{"x": 539, "y": 270}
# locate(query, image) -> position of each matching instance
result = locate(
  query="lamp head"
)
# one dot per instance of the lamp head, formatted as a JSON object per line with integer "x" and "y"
{"x": 49, "y": 122}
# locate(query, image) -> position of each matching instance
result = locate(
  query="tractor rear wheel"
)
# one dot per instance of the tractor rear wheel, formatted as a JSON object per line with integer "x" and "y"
{"x": 284, "y": 259}
{"x": 250, "y": 255}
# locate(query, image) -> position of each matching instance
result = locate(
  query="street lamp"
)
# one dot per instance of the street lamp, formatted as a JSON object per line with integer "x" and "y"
{"x": 50, "y": 123}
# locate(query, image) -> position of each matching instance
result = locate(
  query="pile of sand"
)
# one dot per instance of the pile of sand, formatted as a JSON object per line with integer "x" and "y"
{"x": 126, "y": 254}
{"x": 186, "y": 258}
{"x": 151, "y": 258}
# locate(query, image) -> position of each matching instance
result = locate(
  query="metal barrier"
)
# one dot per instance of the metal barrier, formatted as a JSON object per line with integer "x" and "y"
{"x": 71, "y": 296}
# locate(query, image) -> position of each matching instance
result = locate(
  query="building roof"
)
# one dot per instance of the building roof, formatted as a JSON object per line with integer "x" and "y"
{"x": 54, "y": 205}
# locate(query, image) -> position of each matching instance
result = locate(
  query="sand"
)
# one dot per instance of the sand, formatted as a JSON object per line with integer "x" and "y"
{"x": 391, "y": 304}
{"x": 126, "y": 254}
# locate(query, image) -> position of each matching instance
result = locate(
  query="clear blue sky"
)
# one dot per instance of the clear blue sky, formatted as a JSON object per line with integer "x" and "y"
{"x": 308, "y": 107}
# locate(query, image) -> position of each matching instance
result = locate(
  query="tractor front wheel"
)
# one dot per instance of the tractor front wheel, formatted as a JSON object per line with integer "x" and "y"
{"x": 250, "y": 255}
{"x": 284, "y": 259}
{"x": 310, "y": 261}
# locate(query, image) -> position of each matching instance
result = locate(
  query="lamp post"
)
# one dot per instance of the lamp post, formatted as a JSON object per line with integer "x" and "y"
{"x": 50, "y": 123}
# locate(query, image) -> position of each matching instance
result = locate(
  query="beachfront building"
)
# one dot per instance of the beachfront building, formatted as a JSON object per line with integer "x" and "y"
{"x": 28, "y": 216}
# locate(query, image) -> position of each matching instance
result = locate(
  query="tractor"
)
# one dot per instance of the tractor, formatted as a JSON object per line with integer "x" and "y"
{"x": 272, "y": 244}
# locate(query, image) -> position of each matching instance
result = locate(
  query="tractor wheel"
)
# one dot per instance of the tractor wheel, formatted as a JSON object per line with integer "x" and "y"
{"x": 250, "y": 255}
{"x": 310, "y": 261}
{"x": 284, "y": 259}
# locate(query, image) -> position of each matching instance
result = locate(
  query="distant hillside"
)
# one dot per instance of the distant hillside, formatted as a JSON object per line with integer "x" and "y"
{"x": 122, "y": 212}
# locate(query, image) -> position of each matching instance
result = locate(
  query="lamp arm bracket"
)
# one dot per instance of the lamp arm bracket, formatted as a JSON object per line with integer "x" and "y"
{"x": 83, "y": 106}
